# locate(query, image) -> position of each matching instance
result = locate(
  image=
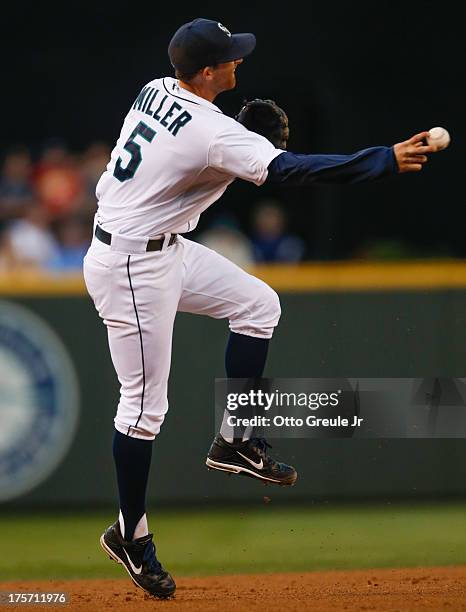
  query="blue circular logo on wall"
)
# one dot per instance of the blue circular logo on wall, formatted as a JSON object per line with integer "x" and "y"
{"x": 38, "y": 400}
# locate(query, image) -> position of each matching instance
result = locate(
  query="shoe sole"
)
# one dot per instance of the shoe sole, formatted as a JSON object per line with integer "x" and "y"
{"x": 236, "y": 469}
{"x": 115, "y": 557}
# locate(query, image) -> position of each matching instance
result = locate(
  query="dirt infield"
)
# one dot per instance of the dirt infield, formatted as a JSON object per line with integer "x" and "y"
{"x": 401, "y": 590}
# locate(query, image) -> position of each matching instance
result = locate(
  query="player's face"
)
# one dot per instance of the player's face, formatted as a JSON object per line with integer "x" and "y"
{"x": 224, "y": 75}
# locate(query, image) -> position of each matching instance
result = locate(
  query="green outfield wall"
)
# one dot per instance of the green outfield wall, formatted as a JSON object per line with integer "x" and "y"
{"x": 406, "y": 333}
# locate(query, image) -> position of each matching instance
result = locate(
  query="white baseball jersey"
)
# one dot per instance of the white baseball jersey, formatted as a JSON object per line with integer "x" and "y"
{"x": 176, "y": 155}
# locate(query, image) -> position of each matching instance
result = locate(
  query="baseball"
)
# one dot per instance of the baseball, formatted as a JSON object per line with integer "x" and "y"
{"x": 438, "y": 137}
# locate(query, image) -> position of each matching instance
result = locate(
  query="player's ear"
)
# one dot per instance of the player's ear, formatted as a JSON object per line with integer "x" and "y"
{"x": 208, "y": 73}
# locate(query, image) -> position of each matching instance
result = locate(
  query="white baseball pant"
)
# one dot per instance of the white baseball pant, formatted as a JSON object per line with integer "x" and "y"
{"x": 138, "y": 293}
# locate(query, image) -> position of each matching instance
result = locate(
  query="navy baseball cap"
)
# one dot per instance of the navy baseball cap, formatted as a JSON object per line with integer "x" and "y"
{"x": 204, "y": 42}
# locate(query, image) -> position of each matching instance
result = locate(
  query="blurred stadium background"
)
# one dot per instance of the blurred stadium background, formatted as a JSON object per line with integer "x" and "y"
{"x": 372, "y": 280}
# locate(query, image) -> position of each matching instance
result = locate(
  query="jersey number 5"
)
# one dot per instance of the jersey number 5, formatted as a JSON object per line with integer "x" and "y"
{"x": 124, "y": 174}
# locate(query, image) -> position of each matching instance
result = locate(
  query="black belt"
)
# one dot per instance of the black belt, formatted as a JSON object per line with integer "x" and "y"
{"x": 152, "y": 245}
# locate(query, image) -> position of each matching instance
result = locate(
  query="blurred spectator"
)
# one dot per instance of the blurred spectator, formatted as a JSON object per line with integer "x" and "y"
{"x": 28, "y": 242}
{"x": 93, "y": 163}
{"x": 270, "y": 240}
{"x": 6, "y": 255}
{"x": 225, "y": 238}
{"x": 57, "y": 180}
{"x": 15, "y": 184}
{"x": 74, "y": 239}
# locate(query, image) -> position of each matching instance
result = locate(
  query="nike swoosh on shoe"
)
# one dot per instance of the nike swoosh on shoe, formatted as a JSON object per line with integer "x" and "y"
{"x": 258, "y": 466}
{"x": 136, "y": 570}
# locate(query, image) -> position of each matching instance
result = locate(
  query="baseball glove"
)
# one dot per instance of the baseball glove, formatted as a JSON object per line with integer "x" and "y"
{"x": 266, "y": 118}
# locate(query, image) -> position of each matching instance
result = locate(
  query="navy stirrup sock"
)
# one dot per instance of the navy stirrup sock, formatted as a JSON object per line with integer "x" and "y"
{"x": 132, "y": 461}
{"x": 245, "y": 356}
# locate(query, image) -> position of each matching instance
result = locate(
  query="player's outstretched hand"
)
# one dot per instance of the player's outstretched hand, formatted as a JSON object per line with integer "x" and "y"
{"x": 411, "y": 154}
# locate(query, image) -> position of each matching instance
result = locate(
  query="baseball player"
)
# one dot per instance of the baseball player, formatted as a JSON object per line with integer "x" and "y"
{"x": 175, "y": 156}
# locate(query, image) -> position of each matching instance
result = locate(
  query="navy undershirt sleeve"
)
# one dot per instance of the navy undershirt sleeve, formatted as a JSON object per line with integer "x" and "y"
{"x": 366, "y": 165}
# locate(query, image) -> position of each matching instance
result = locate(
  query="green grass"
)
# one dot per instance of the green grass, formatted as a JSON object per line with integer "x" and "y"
{"x": 266, "y": 539}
